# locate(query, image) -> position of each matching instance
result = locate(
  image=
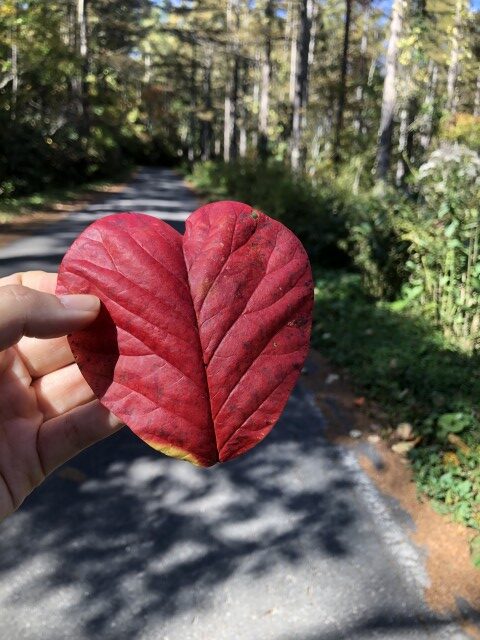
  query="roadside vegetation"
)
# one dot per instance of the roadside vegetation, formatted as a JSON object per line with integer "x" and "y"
{"x": 402, "y": 341}
{"x": 13, "y": 209}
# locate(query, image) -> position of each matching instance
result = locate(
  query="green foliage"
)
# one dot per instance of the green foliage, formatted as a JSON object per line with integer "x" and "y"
{"x": 374, "y": 240}
{"x": 66, "y": 115}
{"x": 463, "y": 128}
{"x": 314, "y": 213}
{"x": 418, "y": 376}
{"x": 442, "y": 232}
{"x": 475, "y": 550}
{"x": 452, "y": 481}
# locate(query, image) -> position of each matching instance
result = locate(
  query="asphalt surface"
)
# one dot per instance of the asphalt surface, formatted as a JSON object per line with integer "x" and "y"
{"x": 290, "y": 542}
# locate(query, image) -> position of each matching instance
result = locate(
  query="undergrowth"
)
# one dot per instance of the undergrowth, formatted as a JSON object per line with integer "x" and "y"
{"x": 392, "y": 351}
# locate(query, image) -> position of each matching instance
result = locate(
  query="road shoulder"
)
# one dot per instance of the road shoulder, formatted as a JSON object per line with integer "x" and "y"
{"x": 452, "y": 585}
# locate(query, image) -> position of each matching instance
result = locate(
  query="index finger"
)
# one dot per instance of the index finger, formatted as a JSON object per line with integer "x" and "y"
{"x": 39, "y": 280}
{"x": 46, "y": 355}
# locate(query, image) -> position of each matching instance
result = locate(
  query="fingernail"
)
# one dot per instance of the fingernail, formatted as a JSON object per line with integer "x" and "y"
{"x": 80, "y": 302}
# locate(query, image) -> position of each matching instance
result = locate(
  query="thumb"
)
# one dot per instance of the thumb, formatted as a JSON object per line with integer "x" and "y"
{"x": 27, "y": 312}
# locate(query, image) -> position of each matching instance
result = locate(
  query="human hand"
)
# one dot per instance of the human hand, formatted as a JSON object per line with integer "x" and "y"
{"x": 48, "y": 412}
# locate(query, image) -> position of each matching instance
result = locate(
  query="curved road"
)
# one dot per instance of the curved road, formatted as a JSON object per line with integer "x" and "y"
{"x": 290, "y": 542}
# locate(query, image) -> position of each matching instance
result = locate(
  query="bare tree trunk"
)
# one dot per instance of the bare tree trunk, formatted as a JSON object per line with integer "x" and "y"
{"x": 192, "y": 134}
{"x": 230, "y": 132}
{"x": 255, "y": 100}
{"x": 405, "y": 142}
{"x": 234, "y": 109}
{"x": 426, "y": 135}
{"x": 265, "y": 83}
{"x": 82, "y": 44}
{"x": 242, "y": 141}
{"x": 454, "y": 65}
{"x": 227, "y": 125}
{"x": 359, "y": 121}
{"x": 476, "y": 104}
{"x": 342, "y": 89}
{"x": 206, "y": 135}
{"x": 14, "y": 62}
{"x": 313, "y": 36}
{"x": 301, "y": 83}
{"x": 389, "y": 98}
{"x": 293, "y": 54}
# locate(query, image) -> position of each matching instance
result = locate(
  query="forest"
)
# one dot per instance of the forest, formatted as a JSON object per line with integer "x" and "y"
{"x": 355, "y": 122}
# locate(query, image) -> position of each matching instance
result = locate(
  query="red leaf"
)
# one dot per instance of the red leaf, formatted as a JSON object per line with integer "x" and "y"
{"x": 202, "y": 338}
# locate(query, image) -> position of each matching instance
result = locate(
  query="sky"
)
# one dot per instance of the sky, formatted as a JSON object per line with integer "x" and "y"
{"x": 474, "y": 3}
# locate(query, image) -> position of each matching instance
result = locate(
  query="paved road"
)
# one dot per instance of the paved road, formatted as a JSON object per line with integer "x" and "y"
{"x": 287, "y": 543}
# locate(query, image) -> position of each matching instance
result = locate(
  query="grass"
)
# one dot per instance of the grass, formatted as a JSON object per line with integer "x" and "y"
{"x": 409, "y": 368}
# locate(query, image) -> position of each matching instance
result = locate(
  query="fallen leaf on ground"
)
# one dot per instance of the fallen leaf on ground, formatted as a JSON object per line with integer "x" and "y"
{"x": 404, "y": 431}
{"x": 402, "y": 448}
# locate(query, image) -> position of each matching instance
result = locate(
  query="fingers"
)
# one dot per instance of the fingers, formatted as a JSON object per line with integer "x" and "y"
{"x": 25, "y": 311}
{"x": 62, "y": 390}
{"x": 61, "y": 438}
{"x": 39, "y": 280}
{"x": 44, "y": 356}
{"x": 40, "y": 356}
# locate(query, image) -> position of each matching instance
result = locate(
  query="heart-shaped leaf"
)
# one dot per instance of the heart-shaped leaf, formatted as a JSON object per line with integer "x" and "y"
{"x": 201, "y": 338}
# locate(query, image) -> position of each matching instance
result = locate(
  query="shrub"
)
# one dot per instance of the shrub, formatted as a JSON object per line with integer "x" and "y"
{"x": 313, "y": 213}
{"x": 443, "y": 234}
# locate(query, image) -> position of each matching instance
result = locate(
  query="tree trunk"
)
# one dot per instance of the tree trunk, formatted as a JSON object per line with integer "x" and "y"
{"x": 82, "y": 49}
{"x": 293, "y": 53}
{"x": 426, "y": 135}
{"x": 342, "y": 89}
{"x": 242, "y": 140}
{"x": 454, "y": 65}
{"x": 359, "y": 121}
{"x": 255, "y": 100}
{"x": 405, "y": 142}
{"x": 234, "y": 109}
{"x": 192, "y": 135}
{"x": 230, "y": 132}
{"x": 476, "y": 104}
{"x": 206, "y": 136}
{"x": 301, "y": 83}
{"x": 389, "y": 98}
{"x": 265, "y": 83}
{"x": 227, "y": 125}
{"x": 14, "y": 63}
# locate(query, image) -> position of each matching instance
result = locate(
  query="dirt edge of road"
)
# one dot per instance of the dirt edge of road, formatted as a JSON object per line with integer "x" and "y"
{"x": 453, "y": 577}
{"x": 28, "y": 223}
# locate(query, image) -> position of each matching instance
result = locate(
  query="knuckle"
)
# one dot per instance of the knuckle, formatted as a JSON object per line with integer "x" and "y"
{"x": 15, "y": 294}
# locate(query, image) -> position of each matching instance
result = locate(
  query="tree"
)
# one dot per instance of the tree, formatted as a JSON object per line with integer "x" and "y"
{"x": 265, "y": 81}
{"x": 342, "y": 87}
{"x": 454, "y": 64}
{"x": 301, "y": 83}
{"x": 389, "y": 98}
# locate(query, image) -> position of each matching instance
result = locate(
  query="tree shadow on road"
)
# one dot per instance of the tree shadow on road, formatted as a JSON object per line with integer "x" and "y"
{"x": 141, "y": 535}
{"x": 144, "y": 540}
